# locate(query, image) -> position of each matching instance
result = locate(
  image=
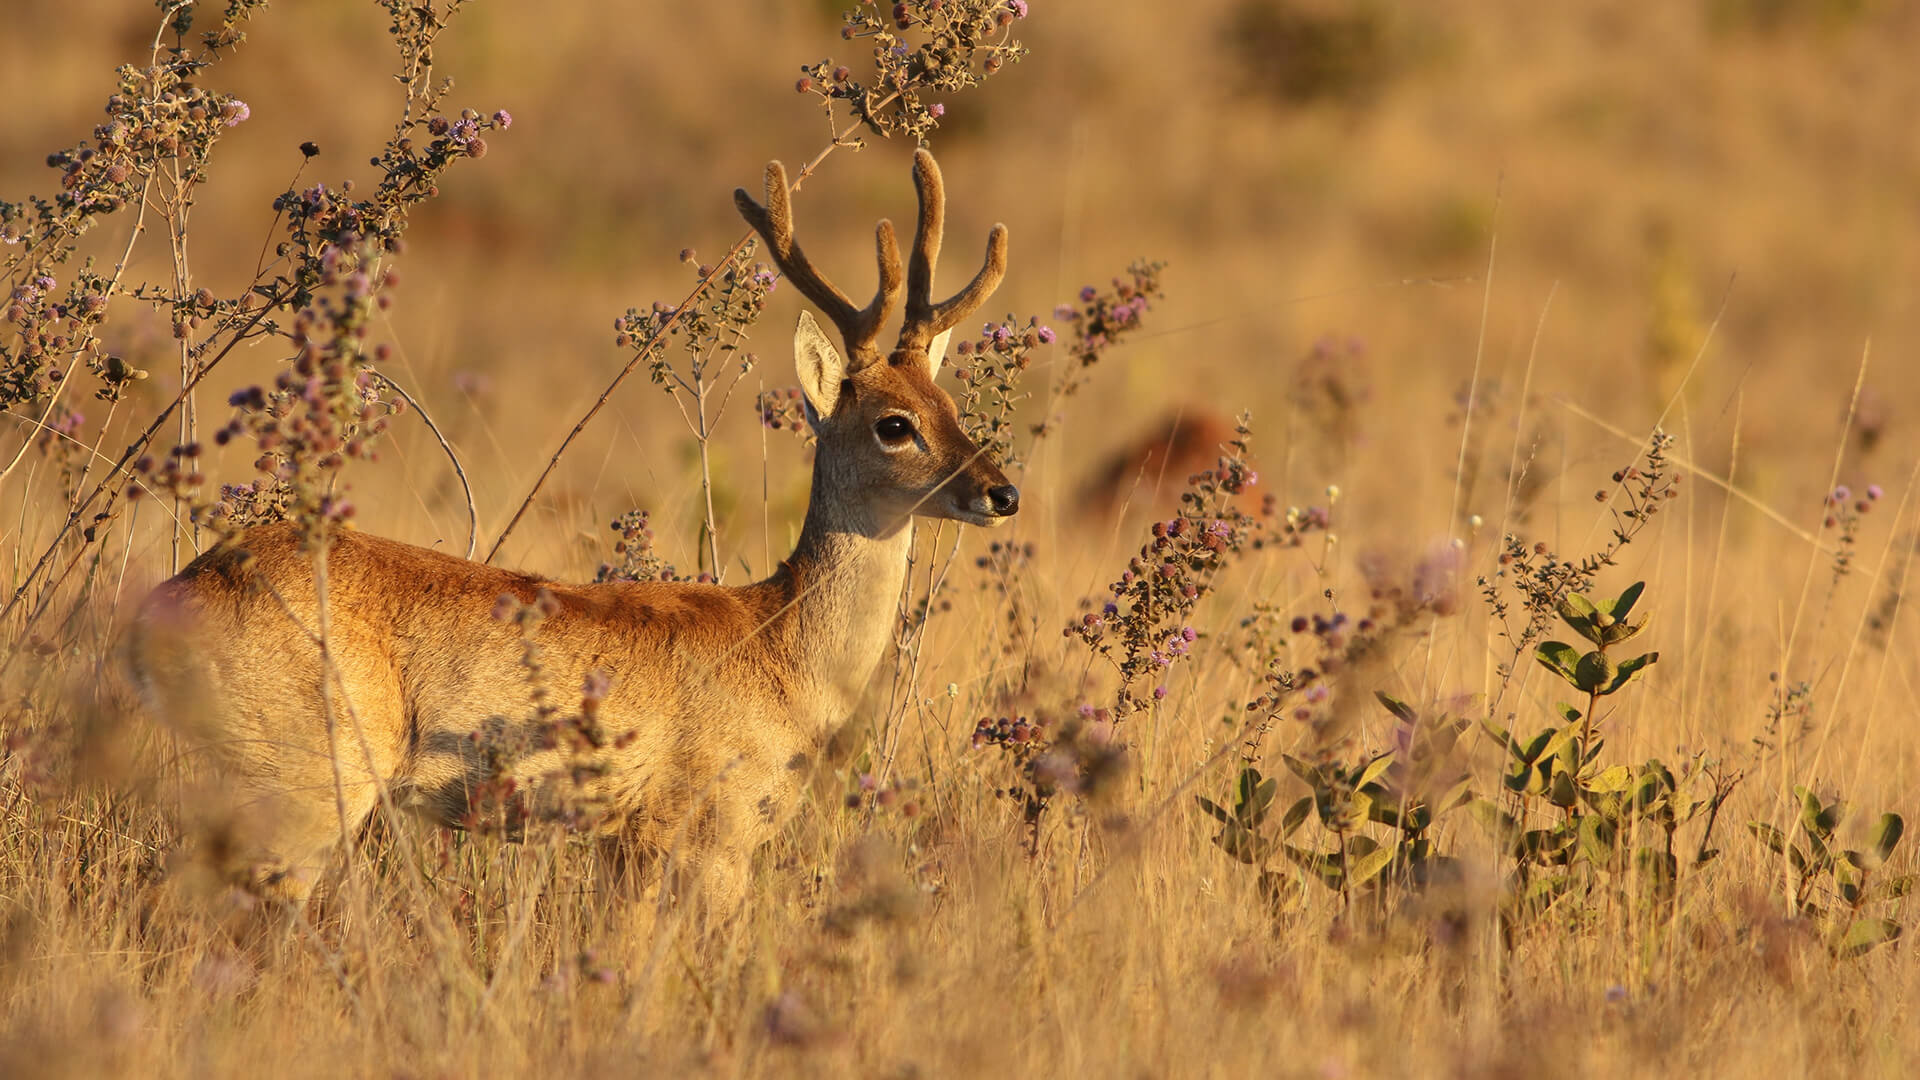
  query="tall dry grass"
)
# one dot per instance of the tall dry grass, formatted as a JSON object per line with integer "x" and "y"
{"x": 1546, "y": 231}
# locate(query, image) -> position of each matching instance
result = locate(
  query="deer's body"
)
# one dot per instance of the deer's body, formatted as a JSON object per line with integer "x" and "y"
{"x": 717, "y": 697}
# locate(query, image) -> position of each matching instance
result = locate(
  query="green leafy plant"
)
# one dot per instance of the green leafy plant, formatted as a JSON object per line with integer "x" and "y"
{"x": 1835, "y": 885}
{"x": 1594, "y": 672}
{"x": 1405, "y": 789}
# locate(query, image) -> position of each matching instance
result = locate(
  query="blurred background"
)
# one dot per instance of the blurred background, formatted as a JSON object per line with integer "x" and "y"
{"x": 1339, "y": 176}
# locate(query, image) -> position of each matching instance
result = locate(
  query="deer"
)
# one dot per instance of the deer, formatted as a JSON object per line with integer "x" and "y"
{"x": 715, "y": 698}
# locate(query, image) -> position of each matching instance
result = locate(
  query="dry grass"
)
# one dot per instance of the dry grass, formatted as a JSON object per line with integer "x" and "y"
{"x": 1612, "y": 172}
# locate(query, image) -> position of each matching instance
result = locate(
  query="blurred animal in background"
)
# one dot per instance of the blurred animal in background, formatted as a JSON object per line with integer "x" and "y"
{"x": 1148, "y": 470}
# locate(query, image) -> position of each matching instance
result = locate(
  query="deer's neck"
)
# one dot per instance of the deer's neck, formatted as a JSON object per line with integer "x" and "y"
{"x": 845, "y": 576}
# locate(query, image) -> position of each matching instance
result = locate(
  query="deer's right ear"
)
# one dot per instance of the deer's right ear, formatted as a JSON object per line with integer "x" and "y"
{"x": 819, "y": 365}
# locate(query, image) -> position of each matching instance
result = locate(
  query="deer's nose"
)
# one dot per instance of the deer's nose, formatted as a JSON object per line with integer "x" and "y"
{"x": 1005, "y": 499}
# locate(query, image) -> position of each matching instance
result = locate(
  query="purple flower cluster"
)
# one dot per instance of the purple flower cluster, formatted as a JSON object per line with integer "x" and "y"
{"x": 1143, "y": 626}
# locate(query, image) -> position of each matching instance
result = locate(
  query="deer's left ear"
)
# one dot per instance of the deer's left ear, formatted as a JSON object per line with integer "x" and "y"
{"x": 820, "y": 368}
{"x": 937, "y": 352}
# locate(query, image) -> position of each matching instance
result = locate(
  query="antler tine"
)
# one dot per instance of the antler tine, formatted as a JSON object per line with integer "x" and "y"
{"x": 926, "y": 239}
{"x": 925, "y": 318}
{"x": 774, "y": 222}
{"x": 948, "y": 313}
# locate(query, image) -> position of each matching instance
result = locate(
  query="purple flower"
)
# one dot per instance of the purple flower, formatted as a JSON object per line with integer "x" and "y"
{"x": 1842, "y": 493}
{"x": 1046, "y": 335}
{"x": 1018, "y": 7}
{"x": 1002, "y": 335}
{"x": 1187, "y": 633}
{"x": 1064, "y": 311}
{"x": 1087, "y": 293}
{"x": 503, "y": 119}
{"x": 236, "y": 112}
{"x": 936, "y": 110}
{"x": 1874, "y": 492}
{"x": 1159, "y": 692}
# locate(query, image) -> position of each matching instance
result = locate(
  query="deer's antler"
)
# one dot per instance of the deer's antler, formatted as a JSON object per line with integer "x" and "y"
{"x": 860, "y": 327}
{"x": 924, "y": 317}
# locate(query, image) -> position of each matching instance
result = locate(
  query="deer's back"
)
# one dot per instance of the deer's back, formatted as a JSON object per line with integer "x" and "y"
{"x": 445, "y": 692}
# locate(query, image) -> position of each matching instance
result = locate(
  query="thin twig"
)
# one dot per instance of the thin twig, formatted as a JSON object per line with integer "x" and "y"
{"x": 473, "y": 515}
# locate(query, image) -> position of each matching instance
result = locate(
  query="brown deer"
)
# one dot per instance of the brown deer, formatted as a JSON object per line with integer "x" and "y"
{"x": 719, "y": 696}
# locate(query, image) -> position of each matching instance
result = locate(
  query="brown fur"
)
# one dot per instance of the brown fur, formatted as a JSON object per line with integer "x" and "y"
{"x": 723, "y": 694}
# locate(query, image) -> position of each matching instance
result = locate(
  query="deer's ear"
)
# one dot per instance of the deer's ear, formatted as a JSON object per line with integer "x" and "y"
{"x": 820, "y": 367}
{"x": 937, "y": 351}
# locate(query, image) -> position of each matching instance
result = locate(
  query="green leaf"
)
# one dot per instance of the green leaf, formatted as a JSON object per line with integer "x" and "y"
{"x": 1628, "y": 669}
{"x": 1567, "y": 712}
{"x": 1596, "y": 839}
{"x": 1309, "y": 773}
{"x": 1543, "y": 891}
{"x": 1534, "y": 747}
{"x": 1359, "y": 810}
{"x": 1886, "y": 835}
{"x": 1496, "y": 821}
{"x": 1867, "y": 934}
{"x": 1372, "y": 770}
{"x": 1622, "y": 605}
{"x": 1811, "y": 810}
{"x": 1296, "y": 814}
{"x": 1546, "y": 845}
{"x": 1263, "y": 798}
{"x": 1560, "y": 790}
{"x": 1607, "y": 781}
{"x": 1623, "y": 631}
{"x": 1365, "y": 868}
{"x": 1330, "y": 869}
{"x": 1214, "y": 810}
{"x": 1459, "y": 794}
{"x": 1593, "y": 750}
{"x": 1579, "y": 613}
{"x": 1397, "y": 707}
{"x": 1559, "y": 658}
{"x": 1558, "y": 744}
{"x": 1238, "y": 841}
{"x": 1891, "y": 888}
{"x": 1497, "y": 733}
{"x": 1769, "y": 836}
{"x": 1574, "y": 606}
{"x": 1254, "y": 795}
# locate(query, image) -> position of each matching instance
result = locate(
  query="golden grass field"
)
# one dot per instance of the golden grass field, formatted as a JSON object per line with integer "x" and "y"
{"x": 1543, "y": 230}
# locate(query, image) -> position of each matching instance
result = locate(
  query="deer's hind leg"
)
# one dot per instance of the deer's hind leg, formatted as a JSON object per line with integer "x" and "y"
{"x": 303, "y": 792}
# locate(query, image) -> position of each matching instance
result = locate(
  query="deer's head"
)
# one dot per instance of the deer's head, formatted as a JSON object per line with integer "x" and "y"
{"x": 887, "y": 433}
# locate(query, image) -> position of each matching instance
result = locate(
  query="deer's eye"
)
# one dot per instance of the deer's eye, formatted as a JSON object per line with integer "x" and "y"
{"x": 893, "y": 429}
